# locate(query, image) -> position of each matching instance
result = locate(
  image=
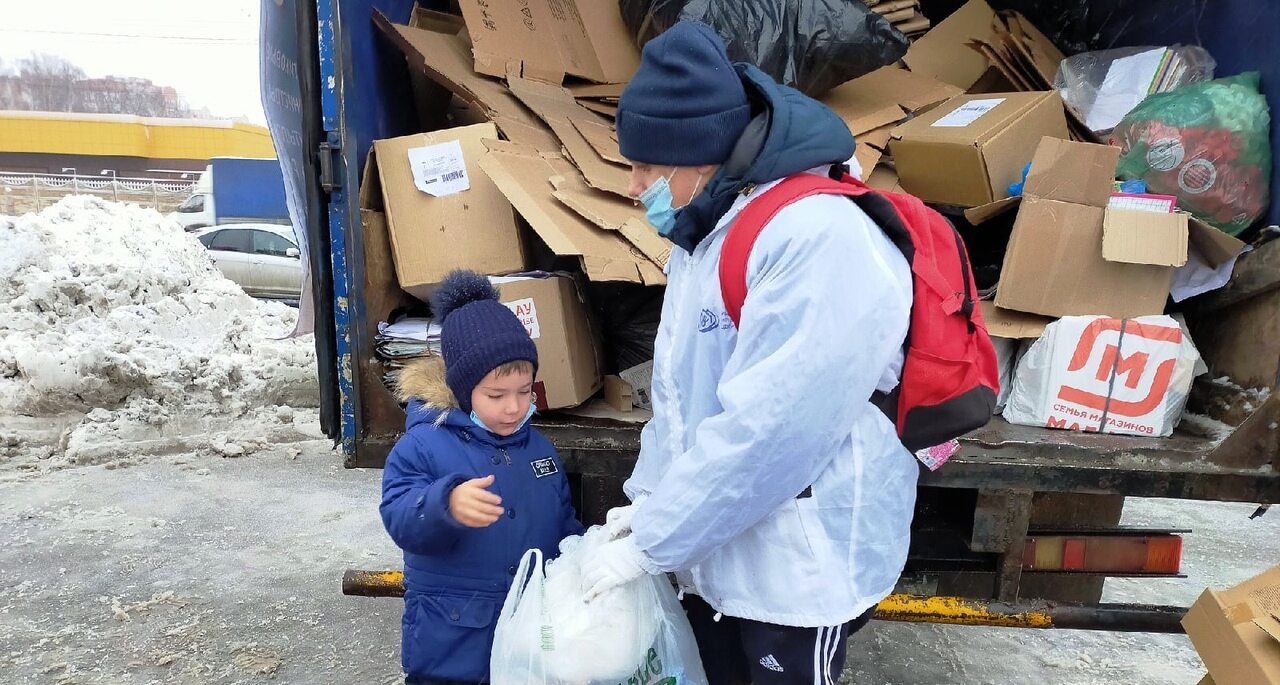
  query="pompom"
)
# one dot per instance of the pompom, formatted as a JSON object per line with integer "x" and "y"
{"x": 460, "y": 288}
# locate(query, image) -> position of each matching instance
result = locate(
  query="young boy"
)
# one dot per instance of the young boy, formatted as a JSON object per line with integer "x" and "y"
{"x": 470, "y": 486}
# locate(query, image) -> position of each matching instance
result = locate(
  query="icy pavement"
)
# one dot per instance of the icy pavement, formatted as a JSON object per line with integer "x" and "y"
{"x": 203, "y": 568}
{"x": 170, "y": 513}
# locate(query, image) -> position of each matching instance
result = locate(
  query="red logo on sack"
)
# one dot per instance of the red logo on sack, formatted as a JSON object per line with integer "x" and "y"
{"x": 1133, "y": 371}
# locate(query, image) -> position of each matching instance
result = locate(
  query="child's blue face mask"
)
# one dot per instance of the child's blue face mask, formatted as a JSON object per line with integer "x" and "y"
{"x": 657, "y": 201}
{"x": 528, "y": 415}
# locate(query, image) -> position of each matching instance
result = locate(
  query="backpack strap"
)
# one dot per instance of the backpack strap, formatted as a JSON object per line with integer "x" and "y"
{"x": 750, "y": 222}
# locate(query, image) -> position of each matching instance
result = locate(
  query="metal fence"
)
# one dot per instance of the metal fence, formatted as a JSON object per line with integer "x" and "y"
{"x": 22, "y": 193}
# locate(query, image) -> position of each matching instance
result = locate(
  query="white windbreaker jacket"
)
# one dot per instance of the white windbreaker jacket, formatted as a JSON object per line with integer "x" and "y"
{"x": 767, "y": 480}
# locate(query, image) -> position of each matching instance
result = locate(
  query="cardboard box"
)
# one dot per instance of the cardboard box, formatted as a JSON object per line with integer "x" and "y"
{"x": 431, "y": 236}
{"x": 592, "y": 40}
{"x": 554, "y": 313}
{"x": 618, "y": 394}
{"x": 1071, "y": 255}
{"x": 1011, "y": 325}
{"x": 1237, "y": 631}
{"x": 970, "y": 149}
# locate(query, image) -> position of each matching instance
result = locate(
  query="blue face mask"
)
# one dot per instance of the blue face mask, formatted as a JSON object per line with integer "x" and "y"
{"x": 532, "y": 408}
{"x": 657, "y": 201}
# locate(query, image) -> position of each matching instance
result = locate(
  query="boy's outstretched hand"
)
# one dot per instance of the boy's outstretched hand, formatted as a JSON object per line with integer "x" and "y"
{"x": 473, "y": 506}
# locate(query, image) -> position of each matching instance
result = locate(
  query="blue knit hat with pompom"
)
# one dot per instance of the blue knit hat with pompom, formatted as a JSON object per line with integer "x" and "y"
{"x": 478, "y": 334}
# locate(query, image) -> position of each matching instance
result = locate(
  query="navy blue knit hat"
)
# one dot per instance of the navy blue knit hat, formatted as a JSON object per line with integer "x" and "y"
{"x": 479, "y": 332}
{"x": 686, "y": 105}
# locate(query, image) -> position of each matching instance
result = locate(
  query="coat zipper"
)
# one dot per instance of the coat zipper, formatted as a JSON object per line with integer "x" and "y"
{"x": 506, "y": 454}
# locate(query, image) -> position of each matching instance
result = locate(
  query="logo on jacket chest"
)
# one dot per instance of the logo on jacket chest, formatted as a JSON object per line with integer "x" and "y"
{"x": 709, "y": 321}
{"x": 544, "y": 467}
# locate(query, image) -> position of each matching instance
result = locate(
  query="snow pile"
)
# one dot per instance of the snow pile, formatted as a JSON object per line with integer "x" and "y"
{"x": 111, "y": 306}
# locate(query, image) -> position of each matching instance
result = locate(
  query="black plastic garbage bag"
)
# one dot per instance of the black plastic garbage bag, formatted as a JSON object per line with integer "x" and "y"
{"x": 810, "y": 45}
{"x": 628, "y": 317}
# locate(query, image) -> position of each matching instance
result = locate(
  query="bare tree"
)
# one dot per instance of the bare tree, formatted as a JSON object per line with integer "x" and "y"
{"x": 51, "y": 83}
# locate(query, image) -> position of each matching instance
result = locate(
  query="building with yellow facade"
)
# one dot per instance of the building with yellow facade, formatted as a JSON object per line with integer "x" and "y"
{"x": 123, "y": 146}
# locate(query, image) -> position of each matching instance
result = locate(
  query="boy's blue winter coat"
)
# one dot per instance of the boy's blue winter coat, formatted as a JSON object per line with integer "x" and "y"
{"x": 456, "y": 578}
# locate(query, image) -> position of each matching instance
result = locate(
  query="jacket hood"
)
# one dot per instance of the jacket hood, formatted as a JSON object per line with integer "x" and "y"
{"x": 423, "y": 388}
{"x": 790, "y": 133}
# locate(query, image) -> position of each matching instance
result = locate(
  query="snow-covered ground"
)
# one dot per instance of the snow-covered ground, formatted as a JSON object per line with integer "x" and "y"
{"x": 170, "y": 513}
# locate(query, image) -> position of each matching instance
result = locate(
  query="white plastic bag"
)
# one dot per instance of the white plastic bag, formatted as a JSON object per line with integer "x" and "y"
{"x": 1097, "y": 374}
{"x": 547, "y": 634}
{"x": 1009, "y": 352}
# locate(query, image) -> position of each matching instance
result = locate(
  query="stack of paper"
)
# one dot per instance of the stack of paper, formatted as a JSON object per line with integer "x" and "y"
{"x": 405, "y": 340}
{"x": 1130, "y": 80}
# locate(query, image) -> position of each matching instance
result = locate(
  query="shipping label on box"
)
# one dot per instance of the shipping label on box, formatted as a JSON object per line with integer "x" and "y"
{"x": 1098, "y": 374}
{"x": 439, "y": 170}
{"x": 967, "y": 113}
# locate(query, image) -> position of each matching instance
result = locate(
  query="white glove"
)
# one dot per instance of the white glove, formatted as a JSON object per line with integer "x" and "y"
{"x": 617, "y": 523}
{"x": 615, "y": 563}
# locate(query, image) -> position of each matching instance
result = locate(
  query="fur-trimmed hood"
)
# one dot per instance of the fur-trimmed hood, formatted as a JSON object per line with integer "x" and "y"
{"x": 423, "y": 388}
{"x": 423, "y": 380}
{"x": 427, "y": 396}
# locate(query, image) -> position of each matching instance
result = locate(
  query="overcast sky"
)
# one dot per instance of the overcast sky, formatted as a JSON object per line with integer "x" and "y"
{"x": 208, "y": 51}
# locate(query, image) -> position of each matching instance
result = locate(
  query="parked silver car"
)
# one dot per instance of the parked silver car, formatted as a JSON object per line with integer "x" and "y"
{"x": 263, "y": 259}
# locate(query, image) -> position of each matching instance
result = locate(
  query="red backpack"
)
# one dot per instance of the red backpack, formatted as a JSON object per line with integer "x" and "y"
{"x": 950, "y": 378}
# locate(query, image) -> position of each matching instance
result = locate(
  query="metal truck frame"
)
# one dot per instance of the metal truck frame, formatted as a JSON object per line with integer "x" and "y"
{"x": 1006, "y": 486}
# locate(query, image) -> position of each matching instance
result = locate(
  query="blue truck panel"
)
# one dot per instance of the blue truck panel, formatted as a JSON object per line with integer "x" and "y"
{"x": 360, "y": 74}
{"x": 245, "y": 188}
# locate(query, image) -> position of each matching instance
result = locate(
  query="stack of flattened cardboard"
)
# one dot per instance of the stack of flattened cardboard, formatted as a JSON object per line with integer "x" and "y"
{"x": 905, "y": 15}
{"x": 1028, "y": 60}
{"x": 601, "y": 98}
{"x": 559, "y": 166}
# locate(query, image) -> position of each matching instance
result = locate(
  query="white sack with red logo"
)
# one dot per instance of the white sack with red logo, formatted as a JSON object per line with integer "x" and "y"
{"x": 1097, "y": 374}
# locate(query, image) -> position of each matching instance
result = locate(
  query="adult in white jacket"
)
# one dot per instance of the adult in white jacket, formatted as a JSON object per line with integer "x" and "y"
{"x": 767, "y": 482}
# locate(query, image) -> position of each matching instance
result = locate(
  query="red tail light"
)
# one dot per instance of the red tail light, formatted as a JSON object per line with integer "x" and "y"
{"x": 1157, "y": 553}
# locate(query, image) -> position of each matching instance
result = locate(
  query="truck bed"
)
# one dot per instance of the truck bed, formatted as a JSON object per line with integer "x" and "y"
{"x": 1004, "y": 456}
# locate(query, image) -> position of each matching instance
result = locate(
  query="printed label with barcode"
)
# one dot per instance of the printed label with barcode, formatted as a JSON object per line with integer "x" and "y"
{"x": 439, "y": 170}
{"x": 968, "y": 113}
